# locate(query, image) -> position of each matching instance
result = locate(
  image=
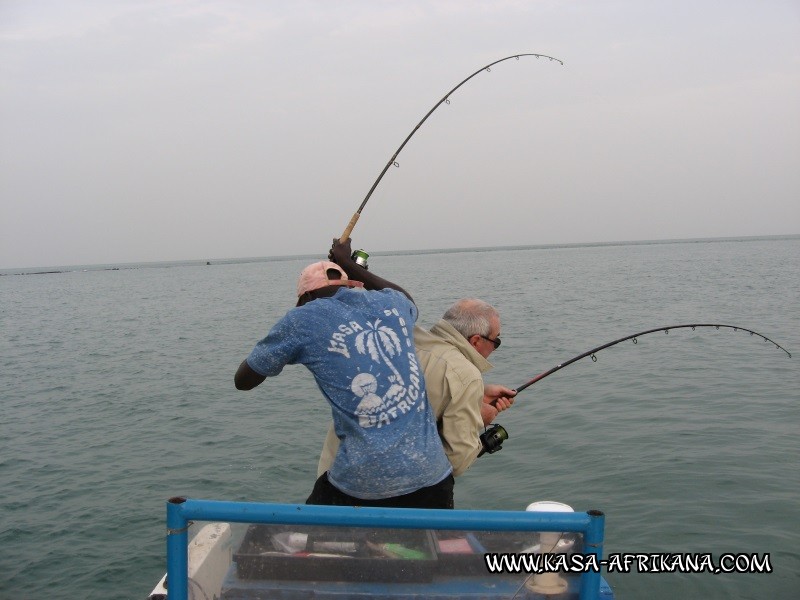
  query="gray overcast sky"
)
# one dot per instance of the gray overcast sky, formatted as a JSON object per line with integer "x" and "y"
{"x": 170, "y": 130}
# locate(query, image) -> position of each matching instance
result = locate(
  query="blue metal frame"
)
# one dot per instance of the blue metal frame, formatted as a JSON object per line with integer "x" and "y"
{"x": 180, "y": 511}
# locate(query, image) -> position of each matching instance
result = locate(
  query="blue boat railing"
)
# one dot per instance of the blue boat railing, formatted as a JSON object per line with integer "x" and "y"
{"x": 182, "y": 511}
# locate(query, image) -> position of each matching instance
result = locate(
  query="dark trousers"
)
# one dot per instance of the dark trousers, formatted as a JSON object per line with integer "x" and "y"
{"x": 434, "y": 496}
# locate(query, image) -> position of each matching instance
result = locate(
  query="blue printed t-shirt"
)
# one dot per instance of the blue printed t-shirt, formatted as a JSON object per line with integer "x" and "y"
{"x": 359, "y": 346}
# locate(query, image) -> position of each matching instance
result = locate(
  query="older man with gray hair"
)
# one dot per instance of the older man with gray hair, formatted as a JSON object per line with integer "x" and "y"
{"x": 453, "y": 355}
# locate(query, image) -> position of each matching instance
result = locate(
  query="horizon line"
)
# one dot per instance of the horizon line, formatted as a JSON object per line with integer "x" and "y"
{"x": 281, "y": 257}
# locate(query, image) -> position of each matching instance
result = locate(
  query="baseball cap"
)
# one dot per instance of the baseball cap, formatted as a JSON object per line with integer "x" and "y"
{"x": 315, "y": 276}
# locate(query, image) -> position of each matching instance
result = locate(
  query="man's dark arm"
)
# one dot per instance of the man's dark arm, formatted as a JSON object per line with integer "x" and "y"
{"x": 246, "y": 378}
{"x": 341, "y": 254}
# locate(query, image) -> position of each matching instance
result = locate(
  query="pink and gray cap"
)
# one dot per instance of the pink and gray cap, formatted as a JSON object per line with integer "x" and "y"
{"x": 315, "y": 276}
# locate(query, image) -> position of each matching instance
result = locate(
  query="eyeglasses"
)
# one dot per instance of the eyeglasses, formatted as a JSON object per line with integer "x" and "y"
{"x": 496, "y": 341}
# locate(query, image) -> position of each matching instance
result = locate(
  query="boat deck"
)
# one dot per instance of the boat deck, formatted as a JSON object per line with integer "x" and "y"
{"x": 301, "y": 552}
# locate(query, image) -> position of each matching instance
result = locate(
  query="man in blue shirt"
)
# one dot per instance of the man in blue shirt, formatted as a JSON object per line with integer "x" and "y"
{"x": 356, "y": 339}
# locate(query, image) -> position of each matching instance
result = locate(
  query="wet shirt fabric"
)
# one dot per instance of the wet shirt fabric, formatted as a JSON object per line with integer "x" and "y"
{"x": 359, "y": 346}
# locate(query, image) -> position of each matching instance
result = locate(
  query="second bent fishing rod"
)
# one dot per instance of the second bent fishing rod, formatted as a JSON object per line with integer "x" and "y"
{"x": 493, "y": 437}
{"x": 445, "y": 98}
{"x": 634, "y": 337}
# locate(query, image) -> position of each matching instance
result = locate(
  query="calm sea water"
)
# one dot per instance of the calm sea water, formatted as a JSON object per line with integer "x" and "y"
{"x": 117, "y": 393}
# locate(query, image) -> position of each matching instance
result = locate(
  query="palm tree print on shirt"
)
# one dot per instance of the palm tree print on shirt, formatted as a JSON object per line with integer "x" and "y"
{"x": 382, "y": 344}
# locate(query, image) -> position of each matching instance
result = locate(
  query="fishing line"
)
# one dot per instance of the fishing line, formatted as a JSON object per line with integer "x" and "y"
{"x": 393, "y": 161}
{"x": 635, "y": 337}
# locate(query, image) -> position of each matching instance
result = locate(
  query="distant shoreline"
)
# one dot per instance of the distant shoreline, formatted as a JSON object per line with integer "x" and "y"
{"x": 232, "y": 261}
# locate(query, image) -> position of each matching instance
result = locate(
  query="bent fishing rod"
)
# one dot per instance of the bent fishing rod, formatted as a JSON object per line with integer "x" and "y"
{"x": 393, "y": 161}
{"x": 634, "y": 337}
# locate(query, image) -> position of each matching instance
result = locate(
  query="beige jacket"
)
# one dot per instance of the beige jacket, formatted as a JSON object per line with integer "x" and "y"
{"x": 453, "y": 379}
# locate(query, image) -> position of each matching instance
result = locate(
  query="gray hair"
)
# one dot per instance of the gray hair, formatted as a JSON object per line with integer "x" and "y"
{"x": 470, "y": 316}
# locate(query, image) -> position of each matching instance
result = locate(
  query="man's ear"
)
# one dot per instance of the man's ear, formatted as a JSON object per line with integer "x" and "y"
{"x": 473, "y": 340}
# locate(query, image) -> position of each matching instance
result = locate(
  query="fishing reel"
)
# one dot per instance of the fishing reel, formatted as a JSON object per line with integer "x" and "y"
{"x": 492, "y": 439}
{"x": 360, "y": 258}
